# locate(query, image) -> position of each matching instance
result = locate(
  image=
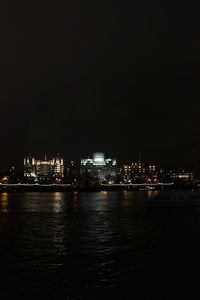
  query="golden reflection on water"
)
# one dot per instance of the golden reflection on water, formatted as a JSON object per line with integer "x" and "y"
{"x": 4, "y": 203}
{"x": 126, "y": 198}
{"x": 104, "y": 194}
{"x": 151, "y": 194}
{"x": 58, "y": 202}
{"x": 75, "y": 193}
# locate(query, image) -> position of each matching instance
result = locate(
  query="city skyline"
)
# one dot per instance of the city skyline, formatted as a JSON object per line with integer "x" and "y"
{"x": 18, "y": 163}
{"x": 95, "y": 170}
{"x": 120, "y": 158}
{"x": 40, "y": 159}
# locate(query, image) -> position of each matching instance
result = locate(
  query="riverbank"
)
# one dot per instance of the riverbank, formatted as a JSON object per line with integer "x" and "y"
{"x": 104, "y": 187}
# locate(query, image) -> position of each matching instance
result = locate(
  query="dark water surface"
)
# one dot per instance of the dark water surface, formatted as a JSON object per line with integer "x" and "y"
{"x": 101, "y": 245}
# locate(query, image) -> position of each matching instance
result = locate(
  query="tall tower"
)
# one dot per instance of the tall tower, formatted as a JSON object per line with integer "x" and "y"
{"x": 29, "y": 166}
{"x": 139, "y": 158}
{"x": 58, "y": 166}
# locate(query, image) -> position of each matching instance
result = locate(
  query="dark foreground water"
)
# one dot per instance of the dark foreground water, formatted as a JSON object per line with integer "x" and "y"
{"x": 103, "y": 245}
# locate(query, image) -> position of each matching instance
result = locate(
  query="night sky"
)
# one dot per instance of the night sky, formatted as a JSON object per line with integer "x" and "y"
{"x": 120, "y": 77}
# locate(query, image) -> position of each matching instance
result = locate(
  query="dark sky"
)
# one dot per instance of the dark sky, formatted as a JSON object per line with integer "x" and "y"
{"x": 120, "y": 77}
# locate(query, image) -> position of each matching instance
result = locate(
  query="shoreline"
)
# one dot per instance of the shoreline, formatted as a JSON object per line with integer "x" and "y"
{"x": 70, "y": 188}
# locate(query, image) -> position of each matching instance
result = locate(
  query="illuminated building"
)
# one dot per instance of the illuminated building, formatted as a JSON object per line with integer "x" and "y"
{"x": 41, "y": 170}
{"x": 126, "y": 173}
{"x": 98, "y": 168}
{"x": 139, "y": 172}
{"x": 182, "y": 175}
{"x": 177, "y": 175}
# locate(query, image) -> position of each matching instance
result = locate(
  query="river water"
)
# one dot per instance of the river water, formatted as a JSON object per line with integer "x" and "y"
{"x": 97, "y": 245}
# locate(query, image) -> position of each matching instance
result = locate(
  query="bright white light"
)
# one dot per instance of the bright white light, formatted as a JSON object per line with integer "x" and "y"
{"x": 98, "y": 157}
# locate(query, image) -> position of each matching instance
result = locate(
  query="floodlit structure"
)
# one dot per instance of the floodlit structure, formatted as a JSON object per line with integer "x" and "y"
{"x": 99, "y": 168}
{"x": 40, "y": 170}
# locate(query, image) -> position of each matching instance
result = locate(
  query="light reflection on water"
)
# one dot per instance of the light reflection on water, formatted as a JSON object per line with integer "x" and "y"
{"x": 4, "y": 203}
{"x": 57, "y": 203}
{"x": 93, "y": 245}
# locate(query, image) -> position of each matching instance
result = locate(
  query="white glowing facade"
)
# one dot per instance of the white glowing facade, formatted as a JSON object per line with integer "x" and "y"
{"x": 49, "y": 168}
{"x": 98, "y": 160}
{"x": 99, "y": 168}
